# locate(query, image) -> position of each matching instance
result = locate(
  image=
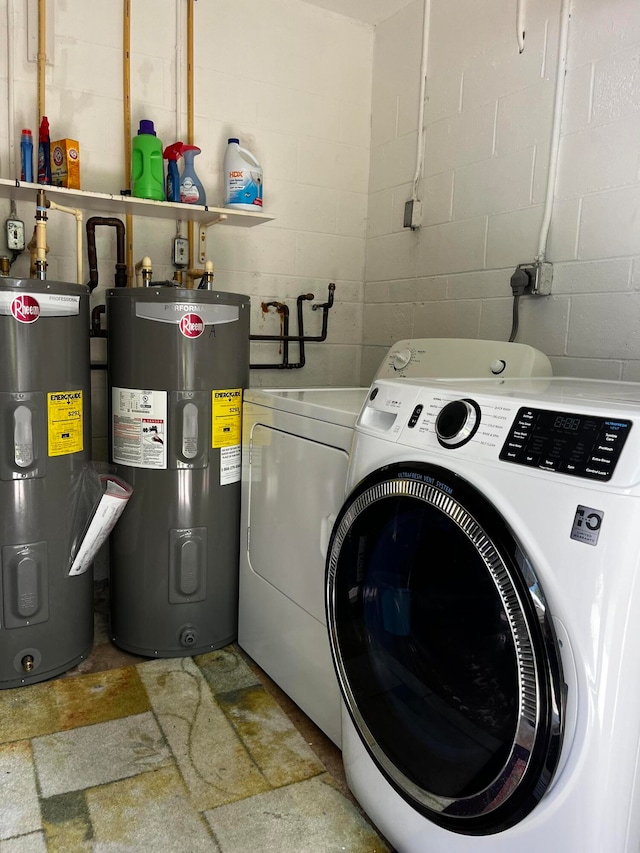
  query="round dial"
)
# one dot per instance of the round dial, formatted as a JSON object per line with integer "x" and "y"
{"x": 400, "y": 358}
{"x": 457, "y": 422}
{"x": 498, "y": 366}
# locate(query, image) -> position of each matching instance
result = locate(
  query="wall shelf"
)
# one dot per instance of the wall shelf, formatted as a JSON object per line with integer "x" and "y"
{"x": 107, "y": 203}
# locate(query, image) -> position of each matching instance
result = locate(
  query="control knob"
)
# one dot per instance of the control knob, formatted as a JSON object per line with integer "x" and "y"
{"x": 400, "y": 358}
{"x": 457, "y": 422}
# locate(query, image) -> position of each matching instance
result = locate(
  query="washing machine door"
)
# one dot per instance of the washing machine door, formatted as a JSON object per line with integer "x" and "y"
{"x": 444, "y": 648}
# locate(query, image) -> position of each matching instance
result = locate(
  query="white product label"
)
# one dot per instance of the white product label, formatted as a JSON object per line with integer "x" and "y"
{"x": 139, "y": 427}
{"x": 189, "y": 192}
{"x": 244, "y": 187}
{"x": 230, "y": 464}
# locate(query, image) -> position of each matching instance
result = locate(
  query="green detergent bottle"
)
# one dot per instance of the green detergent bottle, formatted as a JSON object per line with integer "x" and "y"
{"x": 147, "y": 169}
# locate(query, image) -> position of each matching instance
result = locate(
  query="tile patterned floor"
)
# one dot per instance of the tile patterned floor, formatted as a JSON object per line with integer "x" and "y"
{"x": 188, "y": 754}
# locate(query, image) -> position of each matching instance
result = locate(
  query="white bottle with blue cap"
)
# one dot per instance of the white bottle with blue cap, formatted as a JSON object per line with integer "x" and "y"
{"x": 242, "y": 178}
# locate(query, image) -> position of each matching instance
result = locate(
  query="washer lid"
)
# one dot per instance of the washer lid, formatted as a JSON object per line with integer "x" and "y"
{"x": 444, "y": 648}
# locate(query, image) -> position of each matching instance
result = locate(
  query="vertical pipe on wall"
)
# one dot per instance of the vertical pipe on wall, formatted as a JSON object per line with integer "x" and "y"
{"x": 42, "y": 57}
{"x": 11, "y": 122}
{"x": 520, "y": 24}
{"x": 191, "y": 228}
{"x": 179, "y": 81}
{"x": 563, "y": 41}
{"x": 179, "y": 70}
{"x": 423, "y": 91}
{"x": 126, "y": 103}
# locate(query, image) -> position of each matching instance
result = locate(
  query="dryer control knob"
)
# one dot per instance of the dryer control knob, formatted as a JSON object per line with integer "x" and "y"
{"x": 498, "y": 366}
{"x": 457, "y": 422}
{"x": 400, "y": 358}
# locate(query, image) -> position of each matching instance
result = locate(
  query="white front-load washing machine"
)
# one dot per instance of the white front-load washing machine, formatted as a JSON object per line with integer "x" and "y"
{"x": 295, "y": 452}
{"x": 483, "y": 601}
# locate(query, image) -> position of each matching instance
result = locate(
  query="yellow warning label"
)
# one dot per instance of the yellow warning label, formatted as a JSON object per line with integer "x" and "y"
{"x": 65, "y": 422}
{"x": 226, "y": 417}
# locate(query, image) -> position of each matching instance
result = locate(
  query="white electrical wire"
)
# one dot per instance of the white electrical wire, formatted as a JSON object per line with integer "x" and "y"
{"x": 563, "y": 40}
{"x": 520, "y": 24}
{"x": 423, "y": 92}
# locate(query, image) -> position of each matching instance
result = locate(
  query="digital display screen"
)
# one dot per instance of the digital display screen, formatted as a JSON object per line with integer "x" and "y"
{"x": 567, "y": 422}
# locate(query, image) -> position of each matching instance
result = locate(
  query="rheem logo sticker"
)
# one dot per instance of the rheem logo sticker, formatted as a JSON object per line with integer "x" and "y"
{"x": 25, "y": 308}
{"x": 191, "y": 325}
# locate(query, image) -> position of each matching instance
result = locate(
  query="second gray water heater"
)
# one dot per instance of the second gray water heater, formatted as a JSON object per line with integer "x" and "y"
{"x": 178, "y": 363}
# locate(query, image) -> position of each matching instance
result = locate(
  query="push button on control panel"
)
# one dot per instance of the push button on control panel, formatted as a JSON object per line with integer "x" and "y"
{"x": 413, "y": 420}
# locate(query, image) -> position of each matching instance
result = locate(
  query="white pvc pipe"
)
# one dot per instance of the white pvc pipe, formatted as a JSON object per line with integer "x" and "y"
{"x": 11, "y": 122}
{"x": 520, "y": 24}
{"x": 423, "y": 91}
{"x": 180, "y": 38}
{"x": 179, "y": 74}
{"x": 78, "y": 215}
{"x": 563, "y": 40}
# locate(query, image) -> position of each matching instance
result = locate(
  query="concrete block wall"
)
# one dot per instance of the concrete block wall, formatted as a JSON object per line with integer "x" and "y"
{"x": 488, "y": 114}
{"x": 291, "y": 80}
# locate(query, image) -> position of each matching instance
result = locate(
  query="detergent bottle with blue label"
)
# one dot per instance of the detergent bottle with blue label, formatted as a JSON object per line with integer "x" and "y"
{"x": 243, "y": 178}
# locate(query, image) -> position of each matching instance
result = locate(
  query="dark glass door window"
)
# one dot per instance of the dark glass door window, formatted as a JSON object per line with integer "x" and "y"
{"x": 432, "y": 638}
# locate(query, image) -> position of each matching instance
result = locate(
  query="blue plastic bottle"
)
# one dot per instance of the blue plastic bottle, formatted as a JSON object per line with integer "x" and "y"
{"x": 171, "y": 154}
{"x": 26, "y": 156}
{"x": 191, "y": 189}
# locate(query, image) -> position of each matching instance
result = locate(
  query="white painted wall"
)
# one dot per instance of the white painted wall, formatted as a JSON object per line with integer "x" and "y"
{"x": 488, "y": 119}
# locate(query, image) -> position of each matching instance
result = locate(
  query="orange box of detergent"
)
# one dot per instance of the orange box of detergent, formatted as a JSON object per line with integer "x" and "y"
{"x": 65, "y": 163}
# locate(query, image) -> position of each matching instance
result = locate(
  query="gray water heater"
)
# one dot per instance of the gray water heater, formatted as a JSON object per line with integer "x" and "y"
{"x": 46, "y": 614}
{"x": 178, "y": 363}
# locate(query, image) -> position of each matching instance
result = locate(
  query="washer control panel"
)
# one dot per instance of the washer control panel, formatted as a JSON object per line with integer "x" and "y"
{"x": 581, "y": 445}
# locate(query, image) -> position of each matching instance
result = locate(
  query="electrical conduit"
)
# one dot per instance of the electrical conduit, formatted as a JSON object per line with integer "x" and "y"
{"x": 563, "y": 40}
{"x": 423, "y": 91}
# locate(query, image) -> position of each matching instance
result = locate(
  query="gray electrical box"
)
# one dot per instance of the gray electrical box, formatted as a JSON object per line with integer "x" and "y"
{"x": 46, "y": 615}
{"x": 178, "y": 364}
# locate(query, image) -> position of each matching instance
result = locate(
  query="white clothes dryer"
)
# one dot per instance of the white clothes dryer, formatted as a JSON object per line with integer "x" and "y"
{"x": 483, "y": 599}
{"x": 295, "y": 453}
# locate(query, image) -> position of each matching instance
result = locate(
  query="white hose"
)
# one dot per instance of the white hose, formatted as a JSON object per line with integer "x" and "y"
{"x": 563, "y": 40}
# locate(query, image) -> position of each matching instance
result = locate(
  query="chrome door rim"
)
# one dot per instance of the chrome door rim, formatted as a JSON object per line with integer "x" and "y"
{"x": 529, "y": 667}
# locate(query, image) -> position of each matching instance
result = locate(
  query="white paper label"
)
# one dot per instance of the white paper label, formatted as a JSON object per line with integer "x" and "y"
{"x": 230, "y": 464}
{"x": 139, "y": 427}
